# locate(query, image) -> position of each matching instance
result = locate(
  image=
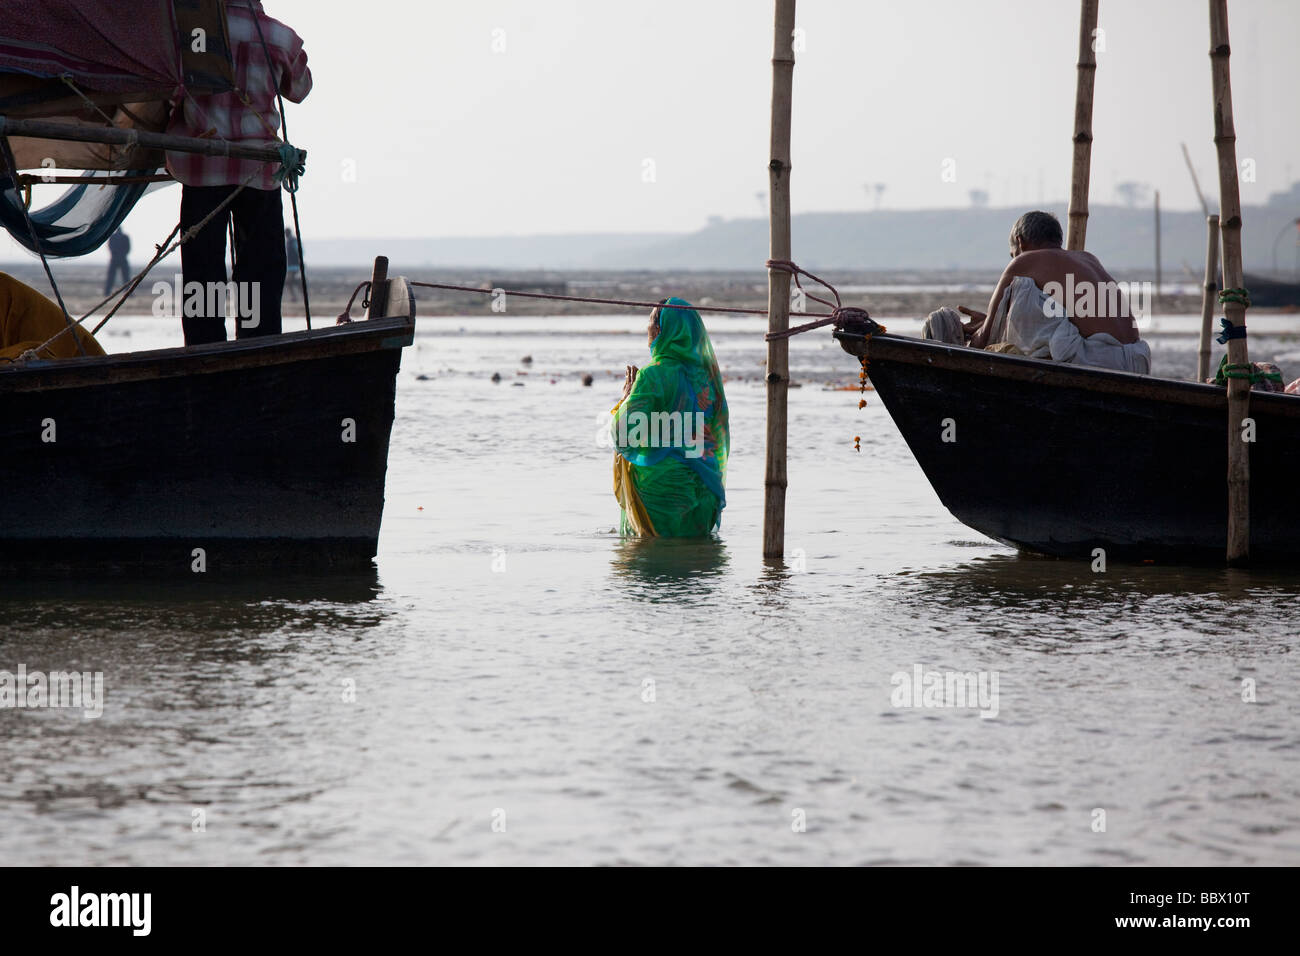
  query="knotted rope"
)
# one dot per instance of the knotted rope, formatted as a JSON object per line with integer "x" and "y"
{"x": 839, "y": 315}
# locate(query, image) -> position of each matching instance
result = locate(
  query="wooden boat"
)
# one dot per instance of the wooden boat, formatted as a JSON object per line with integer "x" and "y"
{"x": 1063, "y": 459}
{"x": 1272, "y": 293}
{"x": 258, "y": 452}
{"x": 262, "y": 452}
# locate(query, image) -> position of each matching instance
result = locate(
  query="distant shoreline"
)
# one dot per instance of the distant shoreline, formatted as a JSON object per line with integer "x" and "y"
{"x": 919, "y": 292}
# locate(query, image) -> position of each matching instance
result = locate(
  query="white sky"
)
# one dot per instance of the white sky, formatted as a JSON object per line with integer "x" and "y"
{"x": 450, "y": 138}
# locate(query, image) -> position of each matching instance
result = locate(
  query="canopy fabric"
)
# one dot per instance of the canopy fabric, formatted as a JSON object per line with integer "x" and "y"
{"x": 77, "y": 223}
{"x": 94, "y": 62}
{"x": 112, "y": 54}
{"x": 93, "y": 42}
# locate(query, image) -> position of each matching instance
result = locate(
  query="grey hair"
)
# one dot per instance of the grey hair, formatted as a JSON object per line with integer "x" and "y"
{"x": 1037, "y": 228}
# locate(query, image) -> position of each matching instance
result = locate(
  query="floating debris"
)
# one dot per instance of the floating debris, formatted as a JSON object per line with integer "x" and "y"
{"x": 527, "y": 360}
{"x": 496, "y": 377}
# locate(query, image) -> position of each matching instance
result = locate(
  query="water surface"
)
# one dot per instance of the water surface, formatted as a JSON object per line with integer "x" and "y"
{"x": 514, "y": 683}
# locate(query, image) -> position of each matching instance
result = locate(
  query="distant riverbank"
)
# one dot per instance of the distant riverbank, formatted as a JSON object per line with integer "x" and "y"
{"x": 890, "y": 294}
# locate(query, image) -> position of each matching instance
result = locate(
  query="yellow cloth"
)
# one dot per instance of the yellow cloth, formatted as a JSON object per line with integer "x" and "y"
{"x": 638, "y": 519}
{"x": 28, "y": 319}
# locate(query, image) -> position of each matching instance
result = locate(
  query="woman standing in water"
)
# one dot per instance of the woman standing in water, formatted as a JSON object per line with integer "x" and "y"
{"x": 670, "y": 431}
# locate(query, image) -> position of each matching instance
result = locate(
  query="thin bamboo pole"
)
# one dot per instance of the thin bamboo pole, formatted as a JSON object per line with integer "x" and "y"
{"x": 1210, "y": 297}
{"x": 1225, "y": 140}
{"x": 778, "y": 283}
{"x": 1080, "y": 172}
{"x": 1157, "y": 243}
{"x": 1187, "y": 158}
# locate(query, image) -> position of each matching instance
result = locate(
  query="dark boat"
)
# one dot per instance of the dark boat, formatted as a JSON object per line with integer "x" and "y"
{"x": 1063, "y": 459}
{"x": 1272, "y": 293}
{"x": 264, "y": 452}
{"x": 259, "y": 452}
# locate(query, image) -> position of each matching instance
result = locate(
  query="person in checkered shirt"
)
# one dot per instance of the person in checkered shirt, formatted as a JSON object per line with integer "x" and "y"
{"x": 206, "y": 181}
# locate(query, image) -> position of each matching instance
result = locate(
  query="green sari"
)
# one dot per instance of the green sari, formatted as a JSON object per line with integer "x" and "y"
{"x": 672, "y": 435}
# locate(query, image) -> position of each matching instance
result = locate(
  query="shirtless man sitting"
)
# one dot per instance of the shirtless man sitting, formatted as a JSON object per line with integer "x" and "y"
{"x": 1037, "y": 254}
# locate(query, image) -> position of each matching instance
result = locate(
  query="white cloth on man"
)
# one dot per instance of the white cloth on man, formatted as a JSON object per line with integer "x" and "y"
{"x": 1034, "y": 322}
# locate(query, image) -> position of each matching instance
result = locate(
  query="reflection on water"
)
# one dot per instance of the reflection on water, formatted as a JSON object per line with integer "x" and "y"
{"x": 501, "y": 655}
{"x": 661, "y": 569}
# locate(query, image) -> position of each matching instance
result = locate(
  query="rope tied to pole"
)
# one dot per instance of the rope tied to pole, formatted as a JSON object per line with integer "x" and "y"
{"x": 1251, "y": 373}
{"x": 346, "y": 315}
{"x": 841, "y": 316}
{"x": 293, "y": 163}
{"x": 1239, "y": 296}
{"x": 1229, "y": 331}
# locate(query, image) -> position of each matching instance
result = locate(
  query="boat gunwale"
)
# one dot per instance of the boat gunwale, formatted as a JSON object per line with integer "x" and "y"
{"x": 356, "y": 337}
{"x": 886, "y": 347}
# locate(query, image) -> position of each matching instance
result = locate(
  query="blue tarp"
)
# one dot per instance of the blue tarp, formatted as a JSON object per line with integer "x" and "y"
{"x": 79, "y": 221}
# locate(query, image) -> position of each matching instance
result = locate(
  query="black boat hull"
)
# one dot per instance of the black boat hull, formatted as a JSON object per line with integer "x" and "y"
{"x": 268, "y": 452}
{"x": 1064, "y": 460}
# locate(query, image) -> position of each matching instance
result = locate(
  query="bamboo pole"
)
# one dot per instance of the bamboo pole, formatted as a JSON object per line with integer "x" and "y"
{"x": 1157, "y": 243}
{"x": 1077, "y": 229}
{"x": 778, "y": 283}
{"x": 115, "y": 136}
{"x": 1187, "y": 158}
{"x": 1210, "y": 296}
{"x": 1225, "y": 140}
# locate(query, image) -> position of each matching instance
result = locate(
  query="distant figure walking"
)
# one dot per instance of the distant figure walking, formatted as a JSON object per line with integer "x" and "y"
{"x": 291, "y": 264}
{"x": 119, "y": 244}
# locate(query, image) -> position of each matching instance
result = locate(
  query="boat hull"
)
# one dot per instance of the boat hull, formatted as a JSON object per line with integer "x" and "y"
{"x": 267, "y": 452}
{"x": 1063, "y": 460}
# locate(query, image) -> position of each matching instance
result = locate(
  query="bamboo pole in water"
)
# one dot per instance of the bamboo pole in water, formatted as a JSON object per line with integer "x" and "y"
{"x": 1210, "y": 297}
{"x": 1077, "y": 229}
{"x": 778, "y": 283}
{"x": 1225, "y": 140}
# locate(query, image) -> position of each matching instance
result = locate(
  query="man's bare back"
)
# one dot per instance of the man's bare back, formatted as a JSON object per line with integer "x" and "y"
{"x": 1097, "y": 304}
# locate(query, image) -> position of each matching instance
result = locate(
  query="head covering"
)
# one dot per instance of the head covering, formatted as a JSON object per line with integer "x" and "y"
{"x": 683, "y": 376}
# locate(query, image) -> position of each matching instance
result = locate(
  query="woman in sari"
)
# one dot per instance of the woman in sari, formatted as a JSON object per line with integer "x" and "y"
{"x": 670, "y": 432}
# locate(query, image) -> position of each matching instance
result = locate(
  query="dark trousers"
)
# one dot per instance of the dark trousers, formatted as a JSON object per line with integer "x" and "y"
{"x": 259, "y": 259}
{"x": 116, "y": 264}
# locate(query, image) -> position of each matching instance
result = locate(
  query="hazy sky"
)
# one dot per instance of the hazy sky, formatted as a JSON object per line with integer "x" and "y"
{"x": 555, "y": 129}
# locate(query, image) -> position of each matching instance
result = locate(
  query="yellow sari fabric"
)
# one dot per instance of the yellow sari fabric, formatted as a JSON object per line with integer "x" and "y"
{"x": 27, "y": 319}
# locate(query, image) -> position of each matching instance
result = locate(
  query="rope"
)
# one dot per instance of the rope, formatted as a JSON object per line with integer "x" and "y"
{"x": 12, "y": 164}
{"x": 163, "y": 251}
{"x": 346, "y": 315}
{"x": 1229, "y": 331}
{"x": 840, "y": 314}
{"x": 1240, "y": 296}
{"x": 1249, "y": 372}
{"x": 579, "y": 298}
{"x": 67, "y": 78}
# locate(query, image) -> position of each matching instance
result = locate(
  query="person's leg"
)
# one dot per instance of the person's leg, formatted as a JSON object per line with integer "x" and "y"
{"x": 259, "y": 257}
{"x": 203, "y": 258}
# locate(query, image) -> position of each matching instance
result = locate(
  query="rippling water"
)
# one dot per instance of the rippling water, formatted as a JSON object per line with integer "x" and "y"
{"x": 529, "y": 688}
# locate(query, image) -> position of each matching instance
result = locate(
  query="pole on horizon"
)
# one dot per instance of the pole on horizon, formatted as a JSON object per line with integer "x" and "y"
{"x": 1077, "y": 228}
{"x": 778, "y": 282}
{"x": 1210, "y": 297}
{"x": 1234, "y": 308}
{"x": 1157, "y": 243}
{"x": 1187, "y": 158}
